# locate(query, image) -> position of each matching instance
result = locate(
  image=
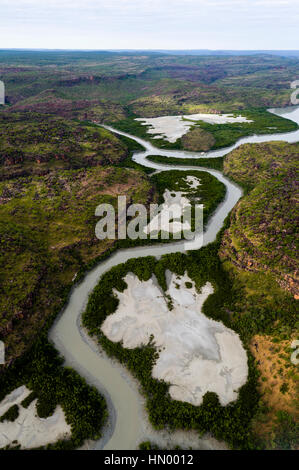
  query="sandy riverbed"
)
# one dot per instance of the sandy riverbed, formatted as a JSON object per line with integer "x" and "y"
{"x": 169, "y": 218}
{"x": 196, "y": 354}
{"x": 28, "y": 429}
{"x": 165, "y": 438}
{"x": 172, "y": 128}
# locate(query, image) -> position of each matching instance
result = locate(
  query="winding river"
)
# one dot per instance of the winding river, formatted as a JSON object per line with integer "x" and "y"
{"x": 126, "y": 421}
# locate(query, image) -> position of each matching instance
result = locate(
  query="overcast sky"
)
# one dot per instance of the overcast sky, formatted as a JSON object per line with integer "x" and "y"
{"x": 150, "y": 24}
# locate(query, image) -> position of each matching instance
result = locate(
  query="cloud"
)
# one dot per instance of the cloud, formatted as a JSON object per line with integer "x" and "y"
{"x": 150, "y": 23}
{"x": 144, "y": 6}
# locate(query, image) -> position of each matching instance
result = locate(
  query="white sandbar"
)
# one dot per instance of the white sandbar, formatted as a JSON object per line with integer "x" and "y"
{"x": 28, "y": 429}
{"x": 196, "y": 354}
{"x": 168, "y": 219}
{"x": 172, "y": 128}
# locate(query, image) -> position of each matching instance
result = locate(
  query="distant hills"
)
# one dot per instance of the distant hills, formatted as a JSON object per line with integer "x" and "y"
{"x": 291, "y": 53}
{"x": 282, "y": 53}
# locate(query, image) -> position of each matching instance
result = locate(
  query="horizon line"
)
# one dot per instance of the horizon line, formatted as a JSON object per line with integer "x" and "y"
{"x": 142, "y": 49}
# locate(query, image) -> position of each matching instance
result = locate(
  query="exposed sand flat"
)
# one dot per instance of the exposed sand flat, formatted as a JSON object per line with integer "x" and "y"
{"x": 172, "y": 128}
{"x": 192, "y": 181}
{"x": 196, "y": 354}
{"x": 28, "y": 429}
{"x": 173, "y": 208}
{"x": 217, "y": 118}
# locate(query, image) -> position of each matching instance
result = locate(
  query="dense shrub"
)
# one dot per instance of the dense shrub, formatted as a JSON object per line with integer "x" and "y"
{"x": 11, "y": 414}
{"x": 28, "y": 400}
{"x": 42, "y": 372}
{"x": 232, "y": 422}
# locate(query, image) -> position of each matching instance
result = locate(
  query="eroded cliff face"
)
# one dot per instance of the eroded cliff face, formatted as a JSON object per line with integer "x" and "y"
{"x": 251, "y": 260}
{"x": 262, "y": 234}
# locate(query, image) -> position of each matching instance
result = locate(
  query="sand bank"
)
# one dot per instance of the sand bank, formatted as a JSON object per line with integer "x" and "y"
{"x": 196, "y": 354}
{"x": 172, "y": 128}
{"x": 28, "y": 429}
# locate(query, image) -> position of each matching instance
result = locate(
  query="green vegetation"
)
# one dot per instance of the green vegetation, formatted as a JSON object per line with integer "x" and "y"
{"x": 258, "y": 251}
{"x": 250, "y": 303}
{"x": 136, "y": 128}
{"x": 148, "y": 445}
{"x": 55, "y": 170}
{"x": 47, "y": 235}
{"x": 263, "y": 122}
{"x": 132, "y": 147}
{"x": 101, "y": 85}
{"x": 204, "y": 136}
{"x": 286, "y": 434}
{"x": 263, "y": 230}
{"x": 47, "y": 225}
{"x": 251, "y": 164}
{"x": 231, "y": 423}
{"x": 33, "y": 143}
{"x": 210, "y": 191}
{"x": 242, "y": 306}
{"x": 214, "y": 163}
{"x": 42, "y": 372}
{"x": 11, "y": 414}
{"x": 28, "y": 400}
{"x": 197, "y": 139}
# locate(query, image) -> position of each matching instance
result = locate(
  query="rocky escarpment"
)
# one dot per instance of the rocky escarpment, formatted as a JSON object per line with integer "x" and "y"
{"x": 262, "y": 234}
